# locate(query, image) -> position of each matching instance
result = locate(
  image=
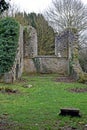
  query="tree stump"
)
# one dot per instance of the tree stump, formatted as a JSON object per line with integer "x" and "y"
{"x": 70, "y": 111}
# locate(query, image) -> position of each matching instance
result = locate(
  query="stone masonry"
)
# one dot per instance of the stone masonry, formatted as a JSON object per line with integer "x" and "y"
{"x": 34, "y": 63}
{"x": 27, "y": 59}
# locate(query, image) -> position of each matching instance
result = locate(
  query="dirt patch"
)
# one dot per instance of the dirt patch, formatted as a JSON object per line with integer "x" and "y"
{"x": 71, "y": 125}
{"x": 65, "y": 79}
{"x": 8, "y": 90}
{"x": 6, "y": 124}
{"x": 3, "y": 122}
{"x": 78, "y": 90}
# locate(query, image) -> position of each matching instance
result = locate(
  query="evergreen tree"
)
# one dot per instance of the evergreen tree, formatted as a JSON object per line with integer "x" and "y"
{"x": 19, "y": 16}
{"x": 45, "y": 34}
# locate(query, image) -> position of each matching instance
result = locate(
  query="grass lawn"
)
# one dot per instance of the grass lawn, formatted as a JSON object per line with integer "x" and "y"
{"x": 38, "y": 107}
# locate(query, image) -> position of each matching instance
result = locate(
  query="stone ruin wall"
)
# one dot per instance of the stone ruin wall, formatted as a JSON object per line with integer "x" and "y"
{"x": 34, "y": 63}
{"x": 66, "y": 44}
{"x": 46, "y": 65}
{"x": 51, "y": 64}
{"x": 28, "y": 61}
{"x": 30, "y": 49}
{"x": 61, "y": 45}
{"x": 29, "y": 42}
{"x": 77, "y": 71}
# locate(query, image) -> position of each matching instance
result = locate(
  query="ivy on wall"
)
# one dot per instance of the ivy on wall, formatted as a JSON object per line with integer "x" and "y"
{"x": 37, "y": 64}
{"x": 9, "y": 35}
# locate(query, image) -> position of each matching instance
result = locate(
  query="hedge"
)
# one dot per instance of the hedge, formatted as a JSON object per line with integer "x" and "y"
{"x": 9, "y": 35}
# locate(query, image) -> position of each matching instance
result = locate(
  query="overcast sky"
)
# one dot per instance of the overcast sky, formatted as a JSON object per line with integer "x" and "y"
{"x": 37, "y": 6}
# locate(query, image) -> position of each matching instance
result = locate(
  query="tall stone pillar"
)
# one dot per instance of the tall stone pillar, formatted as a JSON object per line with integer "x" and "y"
{"x": 30, "y": 42}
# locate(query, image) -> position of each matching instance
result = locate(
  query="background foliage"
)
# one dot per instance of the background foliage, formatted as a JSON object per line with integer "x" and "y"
{"x": 83, "y": 59}
{"x": 45, "y": 32}
{"x": 9, "y": 33}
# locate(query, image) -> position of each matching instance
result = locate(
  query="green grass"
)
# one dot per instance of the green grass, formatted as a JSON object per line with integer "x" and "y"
{"x": 38, "y": 108}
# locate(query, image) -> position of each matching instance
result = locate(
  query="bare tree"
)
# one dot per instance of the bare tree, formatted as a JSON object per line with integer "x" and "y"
{"x": 67, "y": 14}
{"x": 13, "y": 9}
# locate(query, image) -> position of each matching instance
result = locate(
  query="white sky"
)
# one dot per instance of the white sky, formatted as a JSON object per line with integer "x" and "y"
{"x": 37, "y": 6}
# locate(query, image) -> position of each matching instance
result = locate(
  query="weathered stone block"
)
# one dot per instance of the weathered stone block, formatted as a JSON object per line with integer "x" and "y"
{"x": 70, "y": 111}
{"x": 8, "y": 78}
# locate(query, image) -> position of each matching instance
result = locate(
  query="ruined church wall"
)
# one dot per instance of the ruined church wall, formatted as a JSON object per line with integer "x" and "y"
{"x": 61, "y": 45}
{"x": 30, "y": 49}
{"x": 33, "y": 63}
{"x": 53, "y": 65}
{"x": 30, "y": 42}
{"x": 47, "y": 64}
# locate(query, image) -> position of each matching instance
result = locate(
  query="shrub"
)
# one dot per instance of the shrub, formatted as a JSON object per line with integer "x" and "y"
{"x": 9, "y": 34}
{"x": 83, "y": 60}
